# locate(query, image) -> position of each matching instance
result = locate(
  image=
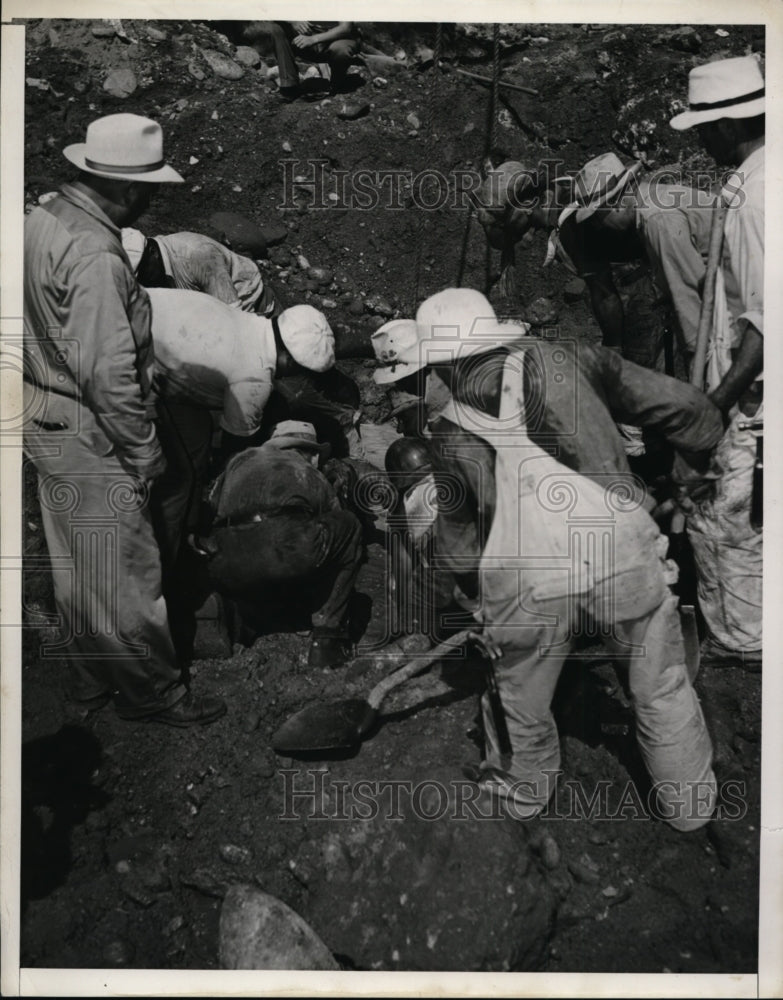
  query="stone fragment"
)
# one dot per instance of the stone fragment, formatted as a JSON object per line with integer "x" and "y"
{"x": 118, "y": 954}
{"x": 378, "y": 305}
{"x": 550, "y": 852}
{"x": 413, "y": 120}
{"x": 155, "y": 34}
{"x": 584, "y": 870}
{"x": 258, "y": 931}
{"x": 196, "y": 71}
{"x": 684, "y": 38}
{"x": 356, "y": 308}
{"x": 247, "y": 56}
{"x": 321, "y": 275}
{"x": 120, "y": 83}
{"x": 232, "y": 854}
{"x": 351, "y": 110}
{"x": 222, "y": 66}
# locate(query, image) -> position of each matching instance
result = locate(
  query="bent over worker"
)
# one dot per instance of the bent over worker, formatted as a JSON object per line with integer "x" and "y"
{"x": 541, "y": 575}
{"x": 280, "y": 525}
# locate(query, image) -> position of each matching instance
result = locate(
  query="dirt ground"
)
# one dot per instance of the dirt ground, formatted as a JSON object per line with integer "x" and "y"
{"x": 132, "y": 833}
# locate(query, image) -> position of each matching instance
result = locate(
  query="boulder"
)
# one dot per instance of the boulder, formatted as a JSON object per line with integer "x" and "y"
{"x": 574, "y": 290}
{"x": 222, "y": 66}
{"x": 259, "y": 931}
{"x": 439, "y": 888}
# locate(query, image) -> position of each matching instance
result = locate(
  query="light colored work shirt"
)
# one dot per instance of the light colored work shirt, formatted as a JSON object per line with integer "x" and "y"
{"x": 213, "y": 356}
{"x": 674, "y": 224}
{"x": 88, "y": 344}
{"x": 200, "y": 264}
{"x": 739, "y": 286}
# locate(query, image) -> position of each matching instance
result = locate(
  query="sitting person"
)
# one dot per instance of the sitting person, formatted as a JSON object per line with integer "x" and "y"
{"x": 199, "y": 264}
{"x": 278, "y": 525}
{"x": 332, "y": 42}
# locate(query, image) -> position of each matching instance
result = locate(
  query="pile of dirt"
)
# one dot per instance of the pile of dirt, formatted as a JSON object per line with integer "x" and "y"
{"x": 133, "y": 834}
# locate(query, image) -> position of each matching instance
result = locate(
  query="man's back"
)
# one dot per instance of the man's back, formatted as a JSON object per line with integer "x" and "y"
{"x": 199, "y": 263}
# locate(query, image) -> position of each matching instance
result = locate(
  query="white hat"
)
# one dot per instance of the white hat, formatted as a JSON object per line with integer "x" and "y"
{"x": 599, "y": 180}
{"x": 296, "y": 434}
{"x": 127, "y": 147}
{"x": 726, "y": 88}
{"x": 453, "y": 324}
{"x": 133, "y": 243}
{"x": 307, "y": 337}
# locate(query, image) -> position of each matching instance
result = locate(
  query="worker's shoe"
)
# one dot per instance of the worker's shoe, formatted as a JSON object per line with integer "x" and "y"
{"x": 189, "y": 711}
{"x": 329, "y": 647}
{"x": 289, "y": 94}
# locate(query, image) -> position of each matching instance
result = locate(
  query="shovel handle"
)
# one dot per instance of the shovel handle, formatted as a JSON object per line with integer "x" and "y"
{"x": 382, "y": 688}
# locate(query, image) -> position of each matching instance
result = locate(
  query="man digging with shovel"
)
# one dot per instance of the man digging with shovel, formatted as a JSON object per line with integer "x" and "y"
{"x": 547, "y": 549}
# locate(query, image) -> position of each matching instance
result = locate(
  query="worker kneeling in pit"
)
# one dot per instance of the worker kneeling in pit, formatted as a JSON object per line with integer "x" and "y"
{"x": 279, "y": 528}
{"x": 545, "y": 547}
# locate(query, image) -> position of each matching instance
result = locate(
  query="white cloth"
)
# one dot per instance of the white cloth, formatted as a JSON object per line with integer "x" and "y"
{"x": 213, "y": 356}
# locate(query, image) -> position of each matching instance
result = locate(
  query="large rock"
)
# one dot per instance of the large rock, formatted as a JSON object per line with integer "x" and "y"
{"x": 222, "y": 65}
{"x": 245, "y": 236}
{"x": 451, "y": 892}
{"x": 258, "y": 931}
{"x": 247, "y": 56}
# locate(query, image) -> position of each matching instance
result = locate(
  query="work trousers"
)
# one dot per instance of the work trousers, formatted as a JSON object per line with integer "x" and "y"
{"x": 727, "y": 550}
{"x": 328, "y": 400}
{"x": 106, "y": 573}
{"x": 337, "y": 54}
{"x": 670, "y": 727}
{"x": 322, "y": 553}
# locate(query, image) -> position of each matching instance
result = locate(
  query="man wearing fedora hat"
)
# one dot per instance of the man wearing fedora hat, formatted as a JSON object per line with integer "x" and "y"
{"x": 522, "y": 433}
{"x": 280, "y": 532}
{"x": 726, "y": 107}
{"x": 90, "y": 428}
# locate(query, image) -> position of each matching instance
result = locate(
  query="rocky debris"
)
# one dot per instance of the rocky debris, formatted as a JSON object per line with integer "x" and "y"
{"x": 120, "y": 83}
{"x": 542, "y": 312}
{"x": 413, "y": 120}
{"x": 321, "y": 275}
{"x": 245, "y": 55}
{"x": 155, "y": 34}
{"x": 574, "y": 290}
{"x": 351, "y": 110}
{"x": 550, "y": 852}
{"x": 222, "y": 65}
{"x": 685, "y": 38}
{"x": 196, "y": 71}
{"x": 450, "y": 890}
{"x": 259, "y": 931}
{"x": 585, "y": 870}
{"x": 205, "y": 881}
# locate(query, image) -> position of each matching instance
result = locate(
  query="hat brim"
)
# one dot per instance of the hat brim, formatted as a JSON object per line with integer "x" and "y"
{"x": 165, "y": 174}
{"x": 587, "y": 210}
{"x": 443, "y": 350}
{"x": 283, "y": 442}
{"x": 687, "y": 119}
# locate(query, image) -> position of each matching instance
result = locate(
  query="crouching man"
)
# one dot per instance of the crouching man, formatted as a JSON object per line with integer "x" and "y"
{"x": 279, "y": 525}
{"x": 548, "y": 549}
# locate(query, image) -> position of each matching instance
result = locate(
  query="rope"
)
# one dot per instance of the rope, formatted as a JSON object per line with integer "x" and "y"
{"x": 495, "y": 83}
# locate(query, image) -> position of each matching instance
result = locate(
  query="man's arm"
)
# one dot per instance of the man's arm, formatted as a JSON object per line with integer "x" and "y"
{"x": 679, "y": 266}
{"x": 342, "y": 30}
{"x": 685, "y": 416}
{"x": 745, "y": 369}
{"x": 99, "y": 296}
{"x": 579, "y": 243}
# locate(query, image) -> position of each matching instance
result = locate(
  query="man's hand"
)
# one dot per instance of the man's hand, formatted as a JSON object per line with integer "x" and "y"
{"x": 301, "y": 27}
{"x": 306, "y": 41}
{"x": 693, "y": 479}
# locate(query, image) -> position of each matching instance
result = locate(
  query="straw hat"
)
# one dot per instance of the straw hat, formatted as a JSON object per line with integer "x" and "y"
{"x": 126, "y": 147}
{"x": 597, "y": 183}
{"x": 453, "y": 324}
{"x": 726, "y": 88}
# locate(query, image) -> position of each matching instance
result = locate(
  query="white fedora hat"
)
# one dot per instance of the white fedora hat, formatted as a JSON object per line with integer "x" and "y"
{"x": 125, "y": 147}
{"x": 726, "y": 88}
{"x": 453, "y": 324}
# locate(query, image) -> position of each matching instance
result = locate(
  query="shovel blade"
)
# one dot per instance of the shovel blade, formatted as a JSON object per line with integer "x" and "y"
{"x": 337, "y": 725}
